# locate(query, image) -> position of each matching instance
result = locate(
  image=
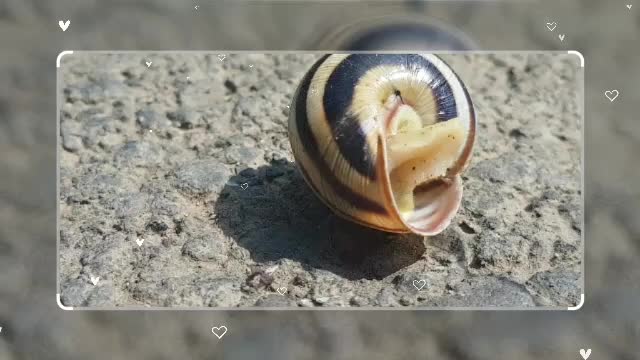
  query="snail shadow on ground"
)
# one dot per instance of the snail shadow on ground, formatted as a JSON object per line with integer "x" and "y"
{"x": 277, "y": 216}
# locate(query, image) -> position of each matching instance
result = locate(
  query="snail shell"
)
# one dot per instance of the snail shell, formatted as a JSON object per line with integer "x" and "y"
{"x": 382, "y": 139}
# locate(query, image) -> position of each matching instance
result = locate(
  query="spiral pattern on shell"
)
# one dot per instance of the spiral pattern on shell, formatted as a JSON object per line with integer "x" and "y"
{"x": 383, "y": 138}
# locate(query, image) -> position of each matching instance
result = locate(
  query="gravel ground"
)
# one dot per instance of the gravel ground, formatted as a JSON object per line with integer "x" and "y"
{"x": 156, "y": 147}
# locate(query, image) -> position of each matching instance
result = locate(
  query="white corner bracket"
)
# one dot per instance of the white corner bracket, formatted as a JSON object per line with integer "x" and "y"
{"x": 61, "y": 306}
{"x": 577, "y": 307}
{"x": 63, "y": 53}
{"x": 578, "y": 54}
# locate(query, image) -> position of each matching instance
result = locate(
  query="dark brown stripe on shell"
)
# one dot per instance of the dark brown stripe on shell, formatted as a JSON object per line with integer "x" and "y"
{"x": 340, "y": 91}
{"x": 311, "y": 148}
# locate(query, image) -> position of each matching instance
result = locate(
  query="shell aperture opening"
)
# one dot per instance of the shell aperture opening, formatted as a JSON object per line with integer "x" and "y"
{"x": 426, "y": 194}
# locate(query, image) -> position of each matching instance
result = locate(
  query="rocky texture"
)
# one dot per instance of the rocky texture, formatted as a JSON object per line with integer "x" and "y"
{"x": 191, "y": 154}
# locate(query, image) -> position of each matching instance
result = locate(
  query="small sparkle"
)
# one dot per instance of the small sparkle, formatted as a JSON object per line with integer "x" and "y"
{"x": 150, "y": 130}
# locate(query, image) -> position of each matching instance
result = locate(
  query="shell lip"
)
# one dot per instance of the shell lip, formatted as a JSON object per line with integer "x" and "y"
{"x": 451, "y": 180}
{"x": 467, "y": 151}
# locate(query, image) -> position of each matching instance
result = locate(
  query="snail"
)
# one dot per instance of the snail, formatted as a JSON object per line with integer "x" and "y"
{"x": 383, "y": 138}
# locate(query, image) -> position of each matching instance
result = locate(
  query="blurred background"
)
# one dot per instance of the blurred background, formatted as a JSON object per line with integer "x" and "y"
{"x": 33, "y": 327}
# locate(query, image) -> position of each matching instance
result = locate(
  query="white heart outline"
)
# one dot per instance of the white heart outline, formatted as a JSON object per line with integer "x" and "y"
{"x": 95, "y": 280}
{"x": 629, "y": 6}
{"x": 554, "y": 25}
{"x": 418, "y": 282}
{"x": 64, "y": 25}
{"x": 218, "y": 328}
{"x": 244, "y": 186}
{"x": 148, "y": 63}
{"x": 561, "y": 37}
{"x": 139, "y": 242}
{"x": 606, "y": 94}
{"x": 281, "y": 290}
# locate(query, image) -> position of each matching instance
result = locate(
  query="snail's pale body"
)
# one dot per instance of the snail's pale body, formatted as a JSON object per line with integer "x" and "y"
{"x": 382, "y": 139}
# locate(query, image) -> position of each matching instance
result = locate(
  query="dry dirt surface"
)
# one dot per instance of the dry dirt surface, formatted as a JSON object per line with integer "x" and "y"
{"x": 156, "y": 147}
